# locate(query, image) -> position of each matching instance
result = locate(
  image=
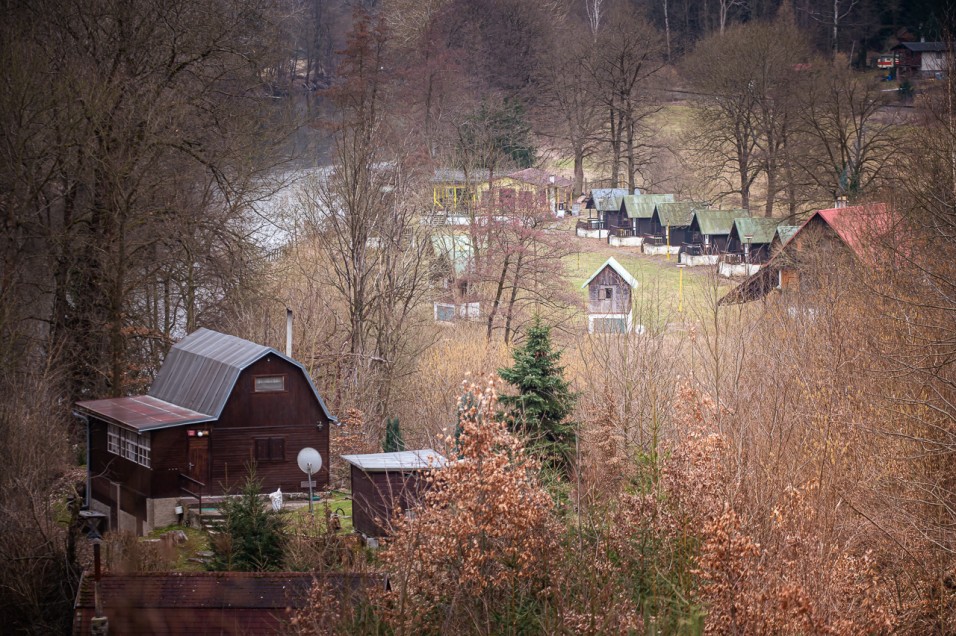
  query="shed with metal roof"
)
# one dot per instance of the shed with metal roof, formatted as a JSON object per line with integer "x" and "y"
{"x": 386, "y": 484}
{"x": 710, "y": 229}
{"x": 219, "y": 405}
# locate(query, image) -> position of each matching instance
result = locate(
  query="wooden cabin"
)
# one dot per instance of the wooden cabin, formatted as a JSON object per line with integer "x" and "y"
{"x": 750, "y": 238}
{"x": 922, "y": 58}
{"x": 219, "y": 405}
{"x": 709, "y": 232}
{"x": 598, "y": 204}
{"x": 610, "y": 303}
{"x": 637, "y": 210}
{"x": 384, "y": 484}
{"x": 669, "y": 226}
{"x": 807, "y": 261}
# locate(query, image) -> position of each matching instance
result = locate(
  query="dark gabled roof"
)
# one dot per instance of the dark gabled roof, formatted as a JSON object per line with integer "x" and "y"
{"x": 677, "y": 213}
{"x": 193, "y": 384}
{"x": 641, "y": 206}
{"x": 716, "y": 222}
{"x": 761, "y": 230}
{"x": 923, "y": 47}
{"x": 206, "y": 602}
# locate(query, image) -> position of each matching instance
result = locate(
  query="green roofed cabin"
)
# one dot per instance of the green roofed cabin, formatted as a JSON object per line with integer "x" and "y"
{"x": 633, "y": 215}
{"x": 751, "y": 237}
{"x": 669, "y": 226}
{"x": 710, "y": 230}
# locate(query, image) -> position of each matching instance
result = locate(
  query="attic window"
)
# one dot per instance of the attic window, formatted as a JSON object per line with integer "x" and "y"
{"x": 607, "y": 293}
{"x": 270, "y": 383}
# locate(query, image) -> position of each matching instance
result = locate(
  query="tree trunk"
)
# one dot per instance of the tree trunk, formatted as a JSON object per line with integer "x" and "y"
{"x": 578, "y": 170}
{"x": 497, "y": 301}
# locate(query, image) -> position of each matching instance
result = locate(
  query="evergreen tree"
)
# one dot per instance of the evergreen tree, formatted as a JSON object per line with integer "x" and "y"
{"x": 544, "y": 403}
{"x": 252, "y": 537}
{"x": 394, "y": 441}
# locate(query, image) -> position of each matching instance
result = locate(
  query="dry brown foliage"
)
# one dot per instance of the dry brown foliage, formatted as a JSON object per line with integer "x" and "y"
{"x": 484, "y": 538}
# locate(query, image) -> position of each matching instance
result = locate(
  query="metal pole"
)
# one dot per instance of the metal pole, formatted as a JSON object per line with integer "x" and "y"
{"x": 667, "y": 253}
{"x": 310, "y": 488}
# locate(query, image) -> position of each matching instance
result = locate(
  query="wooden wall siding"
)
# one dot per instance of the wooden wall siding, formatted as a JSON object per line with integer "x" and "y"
{"x": 293, "y": 414}
{"x": 620, "y": 303}
{"x": 375, "y": 495}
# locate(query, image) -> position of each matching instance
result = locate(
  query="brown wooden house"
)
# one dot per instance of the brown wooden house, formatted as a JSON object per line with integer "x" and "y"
{"x": 219, "y": 405}
{"x": 609, "y": 298}
{"x": 810, "y": 259}
{"x": 386, "y": 483}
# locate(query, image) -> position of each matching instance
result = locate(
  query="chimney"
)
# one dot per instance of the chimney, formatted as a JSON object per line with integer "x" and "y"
{"x": 840, "y": 202}
{"x": 288, "y": 332}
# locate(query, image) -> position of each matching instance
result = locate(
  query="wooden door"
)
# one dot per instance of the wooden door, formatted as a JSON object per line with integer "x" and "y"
{"x": 199, "y": 458}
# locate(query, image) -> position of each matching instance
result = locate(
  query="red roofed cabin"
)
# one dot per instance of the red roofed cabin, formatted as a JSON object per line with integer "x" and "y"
{"x": 813, "y": 258}
{"x": 218, "y": 405}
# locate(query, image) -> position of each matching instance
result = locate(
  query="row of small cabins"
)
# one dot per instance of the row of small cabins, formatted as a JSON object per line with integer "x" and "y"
{"x": 698, "y": 234}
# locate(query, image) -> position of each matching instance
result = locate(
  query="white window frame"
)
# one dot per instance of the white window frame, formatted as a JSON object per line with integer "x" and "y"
{"x": 128, "y": 444}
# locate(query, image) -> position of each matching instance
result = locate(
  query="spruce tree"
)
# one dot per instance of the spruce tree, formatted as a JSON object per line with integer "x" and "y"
{"x": 394, "y": 441}
{"x": 544, "y": 403}
{"x": 253, "y": 534}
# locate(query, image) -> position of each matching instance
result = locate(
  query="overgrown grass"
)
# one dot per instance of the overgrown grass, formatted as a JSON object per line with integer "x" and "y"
{"x": 339, "y": 505}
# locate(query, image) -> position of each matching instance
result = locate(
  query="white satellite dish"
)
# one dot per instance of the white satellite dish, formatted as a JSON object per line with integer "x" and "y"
{"x": 309, "y": 461}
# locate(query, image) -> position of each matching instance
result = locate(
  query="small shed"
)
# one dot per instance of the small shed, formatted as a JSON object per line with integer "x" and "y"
{"x": 637, "y": 210}
{"x": 610, "y": 302}
{"x": 386, "y": 483}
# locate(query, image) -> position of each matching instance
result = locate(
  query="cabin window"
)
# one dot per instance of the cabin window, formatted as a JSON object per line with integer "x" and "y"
{"x": 128, "y": 444}
{"x": 269, "y": 449}
{"x": 607, "y": 293}
{"x": 270, "y": 383}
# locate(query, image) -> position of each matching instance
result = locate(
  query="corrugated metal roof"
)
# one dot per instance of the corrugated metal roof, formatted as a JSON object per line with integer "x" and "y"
{"x": 617, "y": 267}
{"x": 142, "y": 412}
{"x": 201, "y": 369}
{"x": 760, "y": 229}
{"x": 641, "y": 206}
{"x": 677, "y": 213}
{"x": 716, "y": 222}
{"x": 402, "y": 460}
